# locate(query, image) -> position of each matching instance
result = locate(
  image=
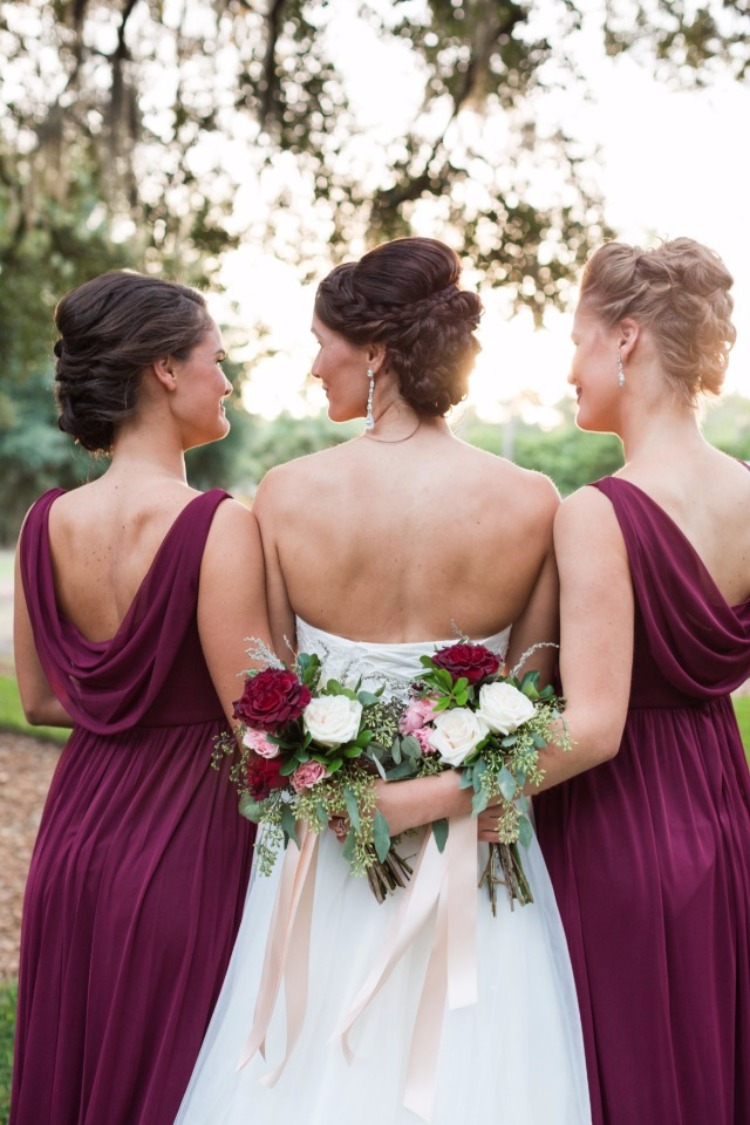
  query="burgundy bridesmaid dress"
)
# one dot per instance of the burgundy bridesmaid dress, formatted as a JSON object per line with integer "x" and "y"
{"x": 649, "y": 853}
{"x": 138, "y": 878}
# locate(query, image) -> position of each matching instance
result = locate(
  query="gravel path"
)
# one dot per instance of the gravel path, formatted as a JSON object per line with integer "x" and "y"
{"x": 26, "y": 767}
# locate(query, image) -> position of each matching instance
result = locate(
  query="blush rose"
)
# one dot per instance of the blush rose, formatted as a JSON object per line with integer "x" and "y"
{"x": 307, "y": 775}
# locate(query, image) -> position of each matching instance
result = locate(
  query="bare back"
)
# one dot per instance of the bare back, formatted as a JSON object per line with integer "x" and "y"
{"x": 708, "y": 496}
{"x": 390, "y": 542}
{"x": 104, "y": 537}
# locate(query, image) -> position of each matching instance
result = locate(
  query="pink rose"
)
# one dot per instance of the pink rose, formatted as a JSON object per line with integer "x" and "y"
{"x": 423, "y": 738}
{"x": 417, "y": 713}
{"x": 256, "y": 740}
{"x": 307, "y": 775}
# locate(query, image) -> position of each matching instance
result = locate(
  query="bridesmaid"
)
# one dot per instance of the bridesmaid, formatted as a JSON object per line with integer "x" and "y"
{"x": 133, "y": 596}
{"x": 649, "y": 851}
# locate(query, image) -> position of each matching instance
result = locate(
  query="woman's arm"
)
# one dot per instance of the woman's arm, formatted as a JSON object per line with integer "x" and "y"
{"x": 280, "y": 612}
{"x": 596, "y": 634}
{"x": 231, "y": 599}
{"x": 40, "y": 704}
{"x": 538, "y": 624}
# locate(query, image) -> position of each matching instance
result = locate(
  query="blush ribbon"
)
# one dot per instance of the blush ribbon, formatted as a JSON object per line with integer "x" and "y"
{"x": 443, "y": 887}
{"x": 287, "y": 952}
{"x": 443, "y": 884}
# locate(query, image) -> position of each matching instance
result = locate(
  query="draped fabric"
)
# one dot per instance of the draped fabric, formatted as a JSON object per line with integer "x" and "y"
{"x": 141, "y": 864}
{"x": 649, "y": 853}
{"x": 514, "y": 1056}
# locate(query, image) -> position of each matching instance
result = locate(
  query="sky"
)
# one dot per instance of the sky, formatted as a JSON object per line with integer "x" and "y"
{"x": 672, "y": 163}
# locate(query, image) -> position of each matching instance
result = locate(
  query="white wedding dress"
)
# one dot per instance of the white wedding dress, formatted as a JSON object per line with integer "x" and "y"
{"x": 514, "y": 1057}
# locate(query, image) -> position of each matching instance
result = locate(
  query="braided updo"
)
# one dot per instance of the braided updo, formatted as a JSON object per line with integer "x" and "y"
{"x": 111, "y": 329}
{"x": 680, "y": 290}
{"x": 404, "y": 294}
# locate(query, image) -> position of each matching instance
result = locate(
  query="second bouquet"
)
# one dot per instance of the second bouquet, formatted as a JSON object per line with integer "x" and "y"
{"x": 312, "y": 750}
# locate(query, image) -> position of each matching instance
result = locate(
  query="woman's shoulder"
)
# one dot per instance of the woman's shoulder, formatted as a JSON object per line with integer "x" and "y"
{"x": 529, "y": 487}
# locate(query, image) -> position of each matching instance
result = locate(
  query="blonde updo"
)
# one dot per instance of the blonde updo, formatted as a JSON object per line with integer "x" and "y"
{"x": 680, "y": 291}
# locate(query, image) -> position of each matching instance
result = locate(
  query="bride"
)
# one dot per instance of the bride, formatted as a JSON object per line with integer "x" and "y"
{"x": 378, "y": 551}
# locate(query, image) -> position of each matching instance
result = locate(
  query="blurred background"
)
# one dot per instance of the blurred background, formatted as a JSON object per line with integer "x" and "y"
{"x": 246, "y": 146}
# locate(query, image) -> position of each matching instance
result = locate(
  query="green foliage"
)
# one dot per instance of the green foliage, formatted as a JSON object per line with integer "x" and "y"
{"x": 742, "y": 711}
{"x": 8, "y": 998}
{"x": 12, "y": 717}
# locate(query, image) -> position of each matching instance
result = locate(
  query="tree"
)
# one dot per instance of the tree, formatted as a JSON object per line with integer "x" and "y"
{"x": 177, "y": 106}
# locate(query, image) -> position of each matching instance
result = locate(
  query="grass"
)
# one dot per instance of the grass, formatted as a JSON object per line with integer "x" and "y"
{"x": 7, "y": 1026}
{"x": 742, "y": 710}
{"x": 12, "y": 717}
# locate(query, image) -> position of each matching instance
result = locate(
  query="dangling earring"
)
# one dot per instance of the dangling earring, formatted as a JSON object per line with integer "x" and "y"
{"x": 370, "y": 420}
{"x": 620, "y": 370}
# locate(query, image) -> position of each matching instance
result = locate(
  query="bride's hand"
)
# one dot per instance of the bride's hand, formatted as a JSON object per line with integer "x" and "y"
{"x": 487, "y": 822}
{"x": 339, "y": 825}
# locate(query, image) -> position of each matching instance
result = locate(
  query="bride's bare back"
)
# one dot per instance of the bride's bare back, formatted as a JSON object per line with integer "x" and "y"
{"x": 405, "y": 541}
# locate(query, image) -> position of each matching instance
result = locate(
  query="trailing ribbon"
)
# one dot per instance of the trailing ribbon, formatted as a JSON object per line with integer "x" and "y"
{"x": 443, "y": 885}
{"x": 287, "y": 952}
{"x": 446, "y": 883}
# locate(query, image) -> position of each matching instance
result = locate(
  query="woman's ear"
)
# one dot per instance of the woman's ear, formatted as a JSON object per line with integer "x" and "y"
{"x": 629, "y": 334}
{"x": 375, "y": 356}
{"x": 163, "y": 369}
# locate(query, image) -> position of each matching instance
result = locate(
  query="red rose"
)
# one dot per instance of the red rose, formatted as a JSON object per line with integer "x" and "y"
{"x": 474, "y": 662}
{"x": 263, "y": 775}
{"x": 271, "y": 699}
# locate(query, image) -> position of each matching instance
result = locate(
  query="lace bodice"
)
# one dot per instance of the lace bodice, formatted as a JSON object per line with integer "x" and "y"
{"x": 377, "y": 662}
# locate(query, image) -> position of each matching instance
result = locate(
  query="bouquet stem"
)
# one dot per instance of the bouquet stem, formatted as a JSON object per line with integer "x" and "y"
{"x": 384, "y": 876}
{"x": 503, "y": 868}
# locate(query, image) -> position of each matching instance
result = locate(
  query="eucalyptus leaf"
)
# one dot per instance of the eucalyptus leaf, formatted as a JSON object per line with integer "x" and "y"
{"x": 479, "y": 802}
{"x": 289, "y": 824}
{"x": 507, "y": 783}
{"x": 352, "y": 808}
{"x": 404, "y": 769}
{"x": 322, "y": 815}
{"x": 250, "y": 808}
{"x": 367, "y": 698}
{"x": 440, "y": 832}
{"x": 410, "y": 747}
{"x": 525, "y": 831}
{"x": 381, "y": 836}
{"x": 348, "y": 847}
{"x": 377, "y": 763}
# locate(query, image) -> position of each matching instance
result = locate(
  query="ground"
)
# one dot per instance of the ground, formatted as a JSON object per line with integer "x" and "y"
{"x": 26, "y": 767}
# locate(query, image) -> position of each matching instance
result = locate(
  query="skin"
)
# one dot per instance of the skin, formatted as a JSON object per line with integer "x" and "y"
{"x": 706, "y": 493}
{"x": 105, "y": 534}
{"x": 465, "y": 543}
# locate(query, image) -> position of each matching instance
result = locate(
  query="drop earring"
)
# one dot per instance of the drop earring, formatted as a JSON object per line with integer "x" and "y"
{"x": 620, "y": 370}
{"x": 369, "y": 419}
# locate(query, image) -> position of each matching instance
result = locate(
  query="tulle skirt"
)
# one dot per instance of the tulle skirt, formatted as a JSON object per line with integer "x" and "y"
{"x": 515, "y": 1055}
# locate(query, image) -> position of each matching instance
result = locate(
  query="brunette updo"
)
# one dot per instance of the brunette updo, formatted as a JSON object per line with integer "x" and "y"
{"x": 680, "y": 291}
{"x": 110, "y": 329}
{"x": 404, "y": 294}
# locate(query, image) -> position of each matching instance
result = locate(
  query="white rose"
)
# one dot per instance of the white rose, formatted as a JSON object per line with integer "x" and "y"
{"x": 332, "y": 720}
{"x": 503, "y": 707}
{"x": 456, "y": 734}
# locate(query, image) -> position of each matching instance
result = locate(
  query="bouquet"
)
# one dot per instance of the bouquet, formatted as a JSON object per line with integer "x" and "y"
{"x": 311, "y": 750}
{"x": 490, "y": 727}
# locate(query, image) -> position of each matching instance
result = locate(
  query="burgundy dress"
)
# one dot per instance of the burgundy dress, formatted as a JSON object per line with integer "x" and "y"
{"x": 649, "y": 853}
{"x": 138, "y": 878}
